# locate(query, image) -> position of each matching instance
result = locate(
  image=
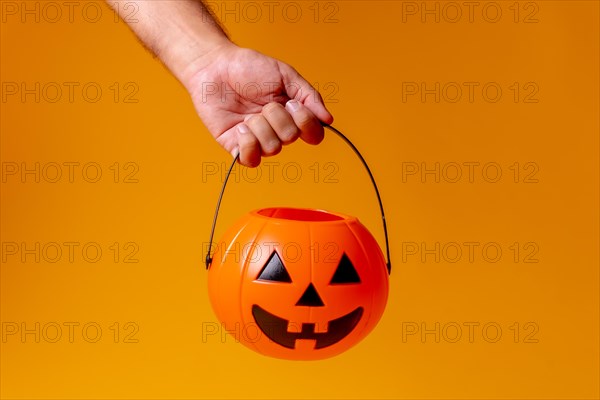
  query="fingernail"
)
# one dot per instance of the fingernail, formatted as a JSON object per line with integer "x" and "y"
{"x": 243, "y": 129}
{"x": 292, "y": 105}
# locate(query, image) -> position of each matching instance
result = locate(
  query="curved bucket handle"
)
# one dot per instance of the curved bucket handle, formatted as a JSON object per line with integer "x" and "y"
{"x": 209, "y": 259}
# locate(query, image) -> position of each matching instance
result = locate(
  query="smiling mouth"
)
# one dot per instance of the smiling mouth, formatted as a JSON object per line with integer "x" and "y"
{"x": 276, "y": 328}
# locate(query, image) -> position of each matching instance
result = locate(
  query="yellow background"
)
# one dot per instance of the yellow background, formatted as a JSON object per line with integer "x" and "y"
{"x": 363, "y": 55}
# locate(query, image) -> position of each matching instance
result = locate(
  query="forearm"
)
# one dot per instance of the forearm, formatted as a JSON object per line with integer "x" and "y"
{"x": 180, "y": 32}
{"x": 191, "y": 43}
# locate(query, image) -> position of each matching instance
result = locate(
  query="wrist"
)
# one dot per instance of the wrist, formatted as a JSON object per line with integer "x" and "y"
{"x": 180, "y": 33}
{"x": 195, "y": 62}
{"x": 187, "y": 48}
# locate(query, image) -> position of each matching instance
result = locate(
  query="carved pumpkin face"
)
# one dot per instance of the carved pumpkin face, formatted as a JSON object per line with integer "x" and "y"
{"x": 298, "y": 283}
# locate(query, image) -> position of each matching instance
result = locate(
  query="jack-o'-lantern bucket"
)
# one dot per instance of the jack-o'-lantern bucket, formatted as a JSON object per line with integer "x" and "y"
{"x": 297, "y": 283}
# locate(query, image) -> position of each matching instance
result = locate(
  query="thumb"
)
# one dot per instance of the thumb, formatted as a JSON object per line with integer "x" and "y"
{"x": 299, "y": 89}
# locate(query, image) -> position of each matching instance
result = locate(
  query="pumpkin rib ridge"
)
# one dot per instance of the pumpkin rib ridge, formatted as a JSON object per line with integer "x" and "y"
{"x": 227, "y": 251}
{"x": 310, "y": 276}
{"x": 239, "y": 232}
{"x": 244, "y": 268}
{"x": 218, "y": 308}
{"x": 371, "y": 300}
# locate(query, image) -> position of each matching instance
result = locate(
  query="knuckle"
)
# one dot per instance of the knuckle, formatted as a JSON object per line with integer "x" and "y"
{"x": 289, "y": 133}
{"x": 248, "y": 147}
{"x": 250, "y": 159}
{"x": 254, "y": 119}
{"x": 271, "y": 148}
{"x": 248, "y": 140}
{"x": 307, "y": 122}
{"x": 271, "y": 108}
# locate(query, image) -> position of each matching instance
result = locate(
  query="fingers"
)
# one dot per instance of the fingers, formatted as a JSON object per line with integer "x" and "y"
{"x": 264, "y": 134}
{"x": 282, "y": 122}
{"x": 248, "y": 146}
{"x": 315, "y": 104}
{"x": 270, "y": 143}
{"x": 299, "y": 89}
{"x": 311, "y": 130}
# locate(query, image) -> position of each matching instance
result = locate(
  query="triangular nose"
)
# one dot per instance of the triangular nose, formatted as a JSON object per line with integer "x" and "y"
{"x": 310, "y": 298}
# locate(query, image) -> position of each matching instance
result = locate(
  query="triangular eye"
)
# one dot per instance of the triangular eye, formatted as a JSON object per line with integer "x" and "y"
{"x": 274, "y": 270}
{"x": 345, "y": 272}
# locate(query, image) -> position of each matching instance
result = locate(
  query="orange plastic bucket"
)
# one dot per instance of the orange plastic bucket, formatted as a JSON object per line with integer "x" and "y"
{"x": 296, "y": 283}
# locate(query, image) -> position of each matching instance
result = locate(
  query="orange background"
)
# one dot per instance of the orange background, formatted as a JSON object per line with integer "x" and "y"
{"x": 364, "y": 56}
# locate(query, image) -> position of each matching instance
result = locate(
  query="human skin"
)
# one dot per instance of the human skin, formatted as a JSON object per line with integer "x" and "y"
{"x": 250, "y": 103}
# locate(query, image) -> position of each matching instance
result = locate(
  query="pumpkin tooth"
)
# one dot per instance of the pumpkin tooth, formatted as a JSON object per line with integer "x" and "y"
{"x": 294, "y": 326}
{"x": 321, "y": 327}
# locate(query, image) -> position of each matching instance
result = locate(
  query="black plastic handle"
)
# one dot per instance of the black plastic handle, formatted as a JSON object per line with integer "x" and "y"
{"x": 208, "y": 259}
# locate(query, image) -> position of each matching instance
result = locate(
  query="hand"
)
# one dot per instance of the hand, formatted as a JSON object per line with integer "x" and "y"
{"x": 254, "y": 104}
